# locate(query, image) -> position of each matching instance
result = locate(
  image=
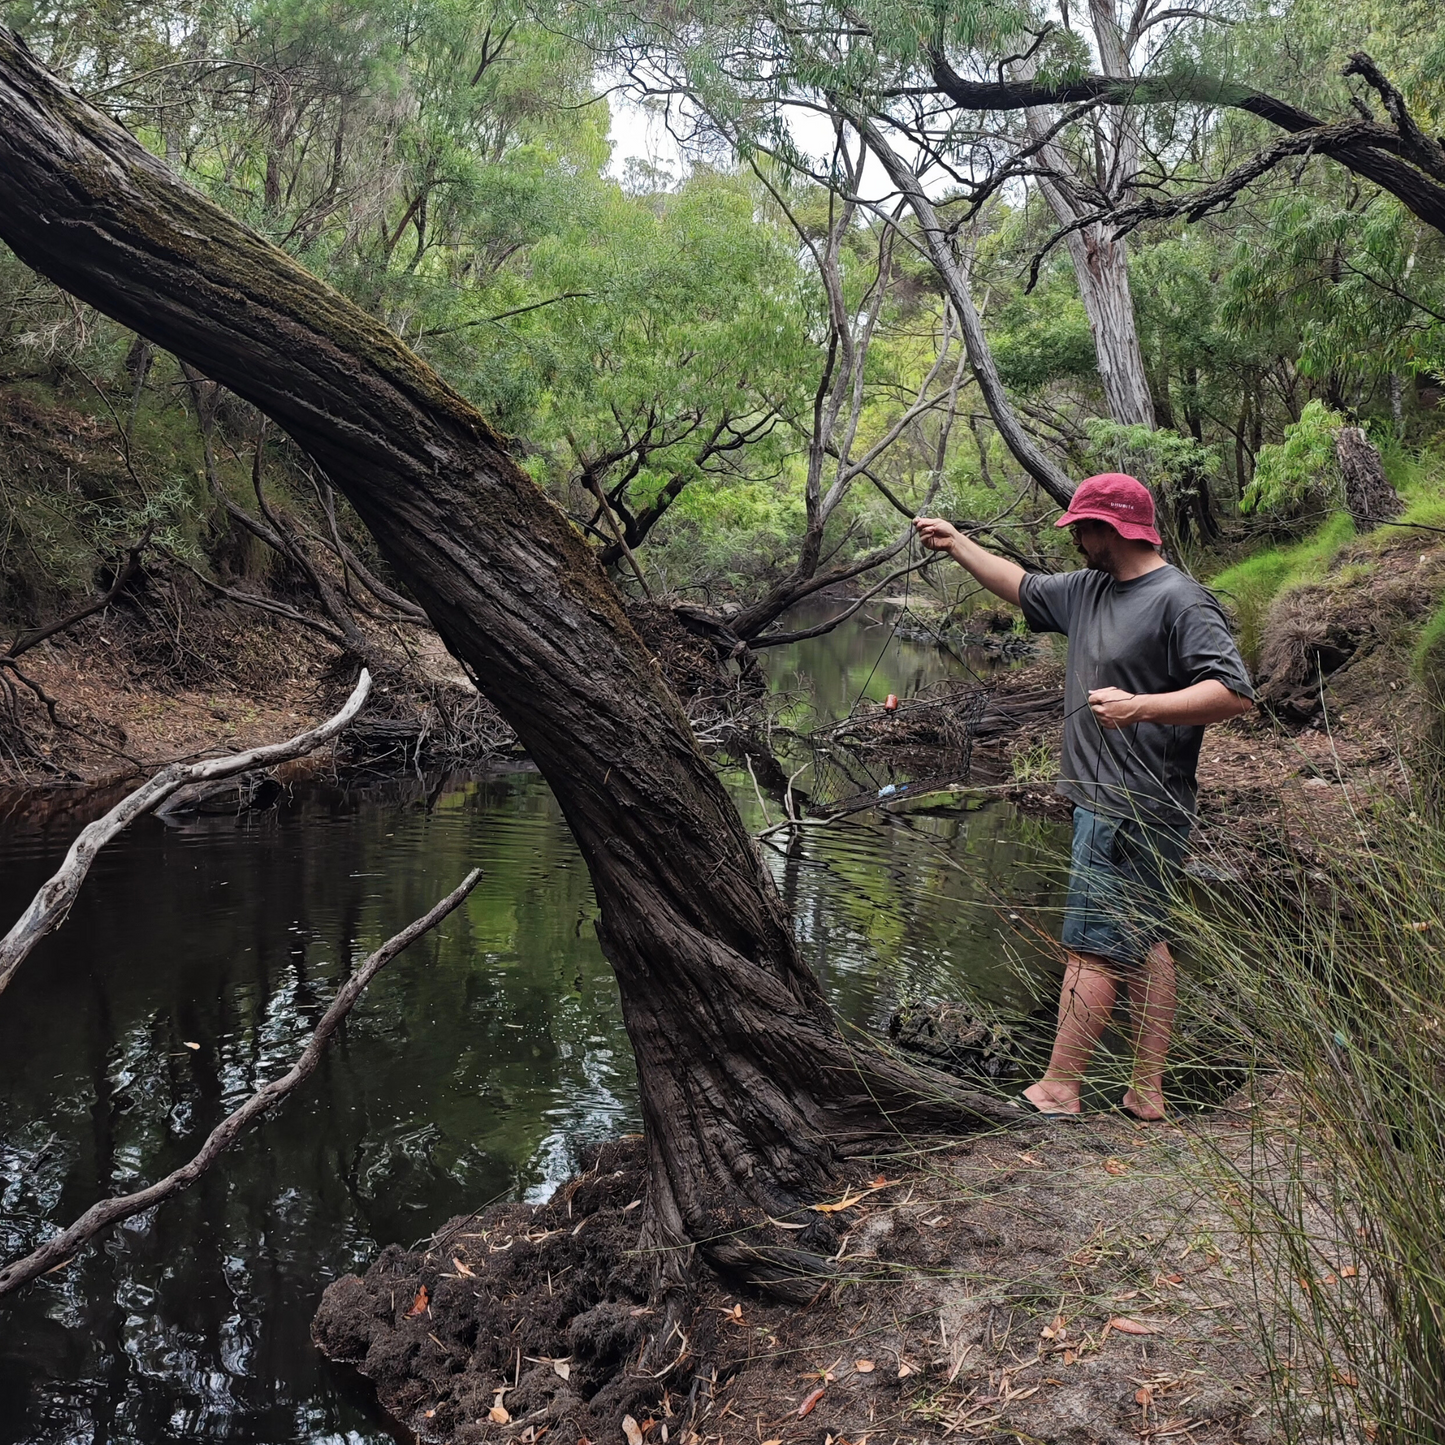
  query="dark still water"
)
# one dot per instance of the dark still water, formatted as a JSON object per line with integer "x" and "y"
{"x": 477, "y": 1066}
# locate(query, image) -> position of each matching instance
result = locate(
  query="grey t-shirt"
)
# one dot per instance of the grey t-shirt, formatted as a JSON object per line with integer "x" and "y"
{"x": 1156, "y": 633}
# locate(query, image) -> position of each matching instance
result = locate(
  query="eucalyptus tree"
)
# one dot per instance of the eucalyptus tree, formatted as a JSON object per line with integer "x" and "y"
{"x": 678, "y": 361}
{"x": 743, "y": 77}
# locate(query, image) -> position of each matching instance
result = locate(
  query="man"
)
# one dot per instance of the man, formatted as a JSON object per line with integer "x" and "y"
{"x": 1151, "y": 663}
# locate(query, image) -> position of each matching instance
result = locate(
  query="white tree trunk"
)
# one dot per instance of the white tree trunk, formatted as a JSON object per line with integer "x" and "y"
{"x": 1101, "y": 259}
{"x": 1101, "y": 264}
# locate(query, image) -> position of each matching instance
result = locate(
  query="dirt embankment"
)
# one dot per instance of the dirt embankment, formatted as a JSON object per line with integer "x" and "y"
{"x": 1063, "y": 1282}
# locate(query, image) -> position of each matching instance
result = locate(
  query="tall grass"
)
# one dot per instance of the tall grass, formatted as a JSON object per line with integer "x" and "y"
{"x": 1331, "y": 981}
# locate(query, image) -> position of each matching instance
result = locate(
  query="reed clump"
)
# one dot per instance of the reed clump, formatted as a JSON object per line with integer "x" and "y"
{"x": 1330, "y": 981}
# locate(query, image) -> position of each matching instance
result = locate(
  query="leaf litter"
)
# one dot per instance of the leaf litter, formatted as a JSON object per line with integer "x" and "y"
{"x": 973, "y": 1302}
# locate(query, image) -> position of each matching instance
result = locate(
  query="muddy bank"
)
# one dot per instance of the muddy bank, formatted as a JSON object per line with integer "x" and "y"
{"x": 1068, "y": 1282}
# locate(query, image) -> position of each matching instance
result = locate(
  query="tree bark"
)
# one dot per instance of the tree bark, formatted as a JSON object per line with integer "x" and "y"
{"x": 1100, "y": 255}
{"x": 750, "y": 1095}
{"x": 1369, "y": 497}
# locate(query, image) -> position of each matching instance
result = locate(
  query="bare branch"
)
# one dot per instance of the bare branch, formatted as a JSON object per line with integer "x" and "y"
{"x": 777, "y": 639}
{"x": 57, "y": 1251}
{"x": 51, "y": 904}
{"x": 26, "y": 640}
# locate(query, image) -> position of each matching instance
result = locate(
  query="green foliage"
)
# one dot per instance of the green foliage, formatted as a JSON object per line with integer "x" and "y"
{"x": 1178, "y": 468}
{"x": 1041, "y": 339}
{"x": 1301, "y": 474}
{"x": 1346, "y": 281}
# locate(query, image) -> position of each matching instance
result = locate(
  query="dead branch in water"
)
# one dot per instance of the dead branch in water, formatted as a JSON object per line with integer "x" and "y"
{"x": 51, "y": 904}
{"x": 62, "y": 1247}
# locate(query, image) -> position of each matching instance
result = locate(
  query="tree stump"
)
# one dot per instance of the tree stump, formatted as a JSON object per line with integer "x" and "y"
{"x": 1369, "y": 497}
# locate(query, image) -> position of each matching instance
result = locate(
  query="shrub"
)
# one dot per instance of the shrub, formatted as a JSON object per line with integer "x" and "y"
{"x": 1178, "y": 468}
{"x": 1300, "y": 475}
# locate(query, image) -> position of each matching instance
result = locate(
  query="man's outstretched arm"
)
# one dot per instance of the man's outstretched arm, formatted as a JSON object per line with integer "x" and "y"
{"x": 998, "y": 574}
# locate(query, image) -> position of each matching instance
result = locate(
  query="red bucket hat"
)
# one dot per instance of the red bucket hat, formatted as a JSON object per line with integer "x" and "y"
{"x": 1122, "y": 501}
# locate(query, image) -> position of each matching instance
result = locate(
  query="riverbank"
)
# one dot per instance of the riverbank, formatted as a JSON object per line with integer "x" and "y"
{"x": 1078, "y": 1283}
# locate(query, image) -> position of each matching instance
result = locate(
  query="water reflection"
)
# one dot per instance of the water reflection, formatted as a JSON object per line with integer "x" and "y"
{"x": 477, "y": 1066}
{"x": 882, "y": 649}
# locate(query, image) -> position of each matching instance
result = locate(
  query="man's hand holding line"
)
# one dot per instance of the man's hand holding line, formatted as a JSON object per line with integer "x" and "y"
{"x": 1205, "y": 702}
{"x": 998, "y": 574}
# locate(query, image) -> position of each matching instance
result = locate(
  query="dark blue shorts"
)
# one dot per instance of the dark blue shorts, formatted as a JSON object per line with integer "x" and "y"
{"x": 1122, "y": 876}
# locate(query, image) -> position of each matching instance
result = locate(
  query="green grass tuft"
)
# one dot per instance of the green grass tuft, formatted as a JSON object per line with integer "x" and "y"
{"x": 1249, "y": 587}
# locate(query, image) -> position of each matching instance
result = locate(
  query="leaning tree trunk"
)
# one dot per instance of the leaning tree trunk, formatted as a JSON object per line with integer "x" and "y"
{"x": 750, "y": 1094}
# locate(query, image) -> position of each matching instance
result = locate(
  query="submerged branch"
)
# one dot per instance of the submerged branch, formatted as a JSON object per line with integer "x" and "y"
{"x": 57, "y": 1251}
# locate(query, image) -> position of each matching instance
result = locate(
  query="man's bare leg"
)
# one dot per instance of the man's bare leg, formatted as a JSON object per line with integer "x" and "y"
{"x": 1085, "y": 1004}
{"x": 1151, "y": 1019}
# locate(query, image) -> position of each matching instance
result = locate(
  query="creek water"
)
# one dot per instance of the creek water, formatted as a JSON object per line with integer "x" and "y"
{"x": 478, "y": 1066}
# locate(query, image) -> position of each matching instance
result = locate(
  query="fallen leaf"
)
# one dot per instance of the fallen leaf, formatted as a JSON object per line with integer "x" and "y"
{"x": 463, "y": 1269}
{"x": 775, "y": 1441}
{"x": 1144, "y": 1396}
{"x": 1372, "y": 1428}
{"x": 1327, "y": 1279}
{"x": 1056, "y": 1330}
{"x": 879, "y": 1182}
{"x": 647, "y": 1425}
{"x": 1346, "y": 1377}
{"x": 562, "y": 1369}
{"x": 190, "y": 1045}
{"x": 848, "y": 1200}
{"x": 864, "y": 1367}
{"x": 1348, "y": 1272}
{"x": 1131, "y": 1327}
{"x": 1169, "y": 1279}
{"x": 1069, "y": 1357}
{"x": 812, "y": 1400}
{"x": 498, "y": 1416}
{"x": 635, "y": 1204}
{"x": 1130, "y": 1294}
{"x": 418, "y": 1305}
{"x": 905, "y": 1370}
{"x": 631, "y": 1430}
{"x": 1115, "y": 1166}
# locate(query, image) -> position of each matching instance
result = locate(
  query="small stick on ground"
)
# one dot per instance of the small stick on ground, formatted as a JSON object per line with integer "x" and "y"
{"x": 57, "y": 1251}
{"x": 51, "y": 904}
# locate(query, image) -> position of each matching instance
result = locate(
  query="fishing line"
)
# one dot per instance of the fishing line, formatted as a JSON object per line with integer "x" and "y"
{"x": 892, "y": 633}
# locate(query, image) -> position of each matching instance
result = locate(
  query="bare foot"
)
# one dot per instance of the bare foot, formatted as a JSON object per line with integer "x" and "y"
{"x": 1145, "y": 1104}
{"x": 1051, "y": 1098}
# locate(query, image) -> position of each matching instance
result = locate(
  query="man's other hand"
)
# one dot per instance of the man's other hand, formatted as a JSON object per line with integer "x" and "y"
{"x": 936, "y": 532}
{"x": 1115, "y": 708}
